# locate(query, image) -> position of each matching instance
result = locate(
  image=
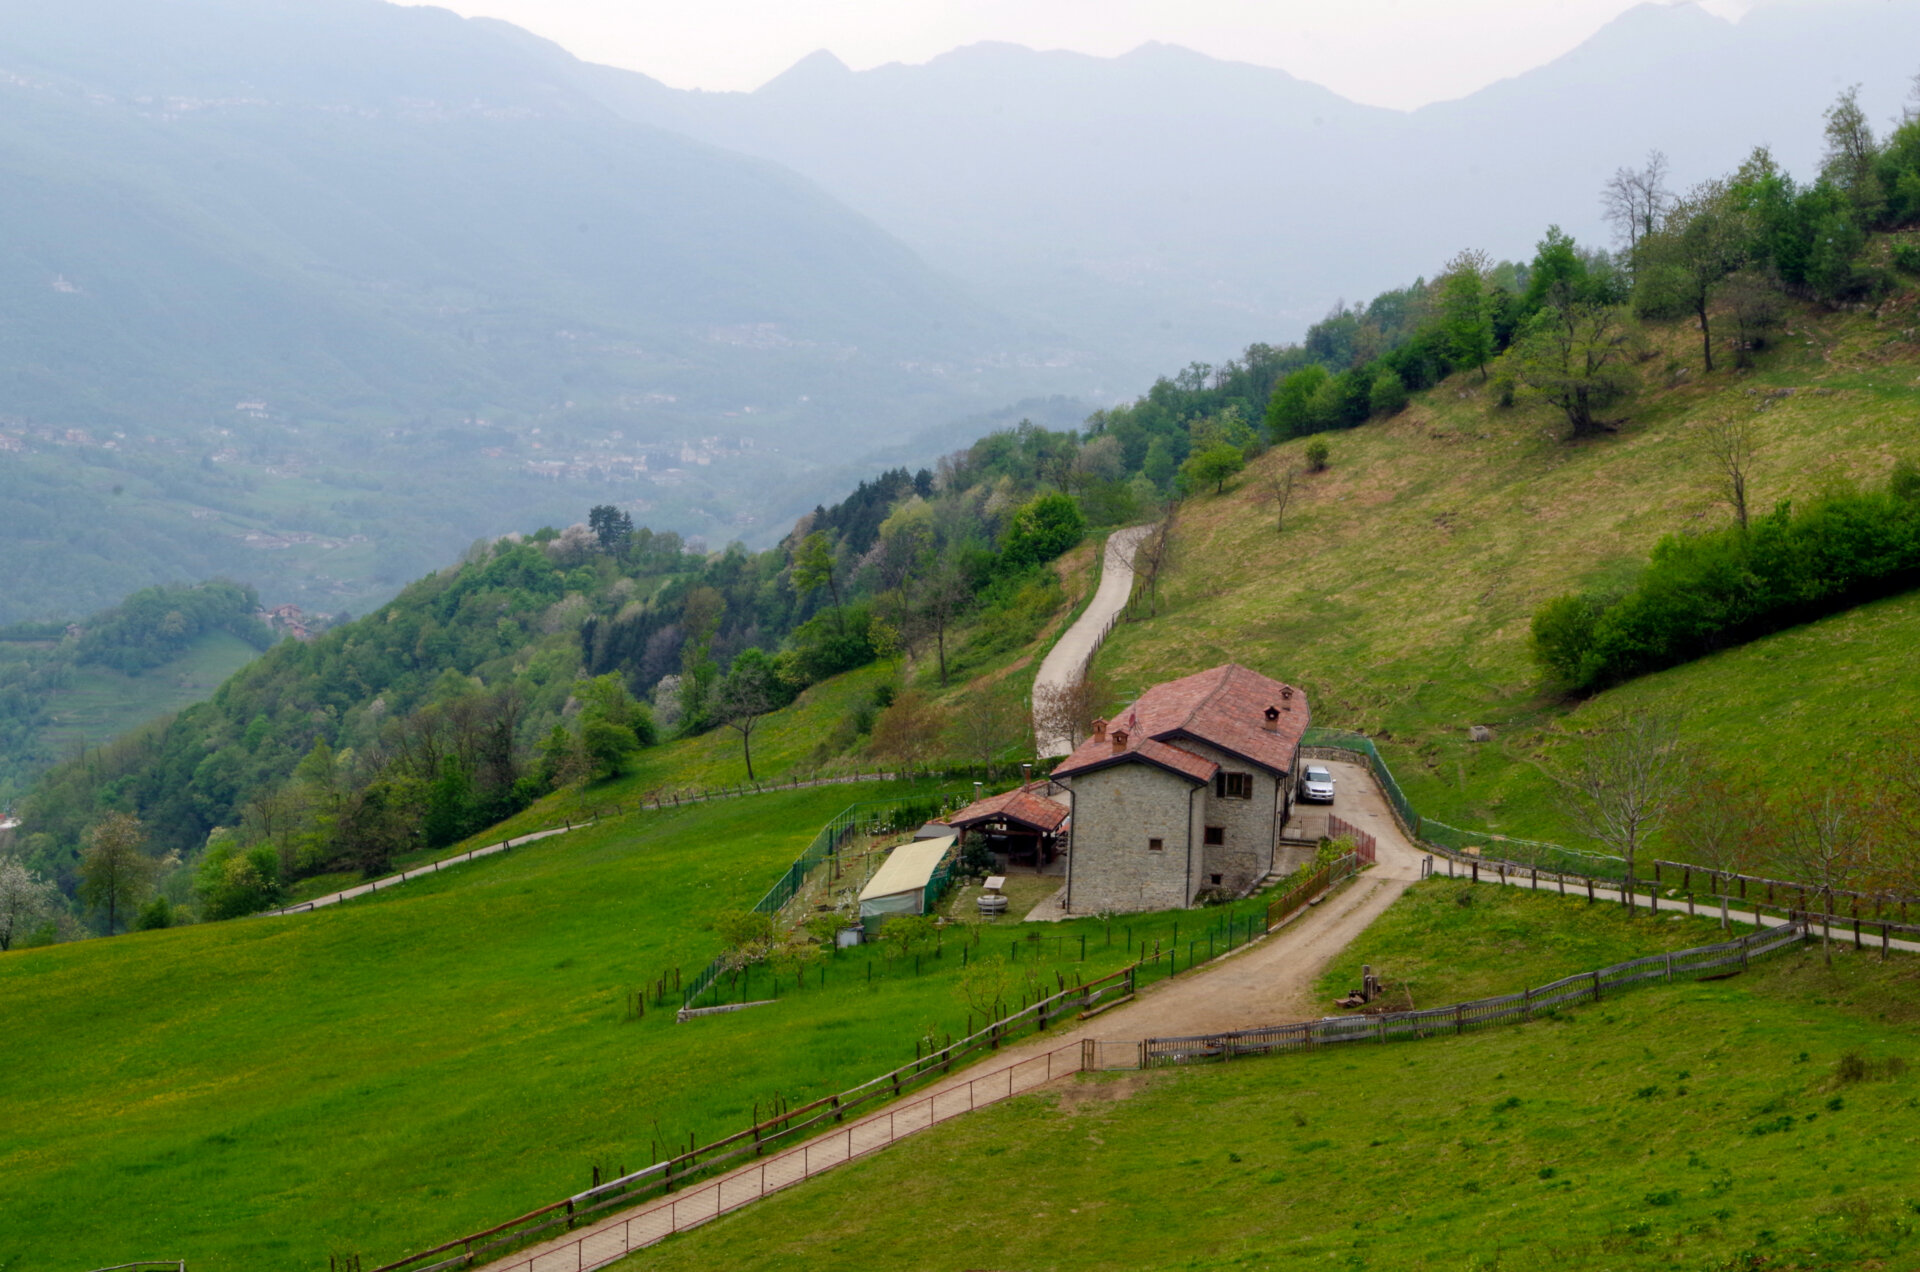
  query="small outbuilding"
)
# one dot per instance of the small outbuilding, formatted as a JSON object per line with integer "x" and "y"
{"x": 1020, "y": 827}
{"x": 907, "y": 882}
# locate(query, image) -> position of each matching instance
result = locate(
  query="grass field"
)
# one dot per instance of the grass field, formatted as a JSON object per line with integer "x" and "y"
{"x": 1401, "y": 589}
{"x": 1704, "y": 1126}
{"x": 380, "y": 1076}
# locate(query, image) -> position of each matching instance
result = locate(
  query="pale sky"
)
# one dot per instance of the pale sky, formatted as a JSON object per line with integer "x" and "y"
{"x": 1397, "y": 53}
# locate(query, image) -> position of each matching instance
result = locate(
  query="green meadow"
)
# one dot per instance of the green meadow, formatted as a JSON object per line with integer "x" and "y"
{"x": 377, "y": 1077}
{"x": 1764, "y": 1121}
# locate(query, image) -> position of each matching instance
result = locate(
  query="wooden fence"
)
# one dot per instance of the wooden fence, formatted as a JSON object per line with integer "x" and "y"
{"x": 592, "y": 816}
{"x": 710, "y": 1200}
{"x": 1756, "y": 892}
{"x": 1298, "y": 897}
{"x": 1585, "y": 987}
{"x": 788, "y": 1127}
{"x": 1364, "y": 846}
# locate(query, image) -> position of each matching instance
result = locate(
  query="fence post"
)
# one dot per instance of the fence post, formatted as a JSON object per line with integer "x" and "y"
{"x": 1596, "y": 985}
{"x": 1526, "y": 1002}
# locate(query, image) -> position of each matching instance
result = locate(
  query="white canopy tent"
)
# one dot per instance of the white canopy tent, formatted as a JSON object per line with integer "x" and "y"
{"x": 899, "y": 886}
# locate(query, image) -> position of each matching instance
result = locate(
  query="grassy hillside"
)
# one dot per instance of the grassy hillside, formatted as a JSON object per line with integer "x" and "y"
{"x": 380, "y": 1076}
{"x": 1401, "y": 588}
{"x": 104, "y": 703}
{"x": 1702, "y": 1126}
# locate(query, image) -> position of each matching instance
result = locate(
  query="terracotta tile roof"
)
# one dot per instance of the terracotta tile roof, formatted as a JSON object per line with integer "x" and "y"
{"x": 1023, "y": 804}
{"x": 1225, "y": 708}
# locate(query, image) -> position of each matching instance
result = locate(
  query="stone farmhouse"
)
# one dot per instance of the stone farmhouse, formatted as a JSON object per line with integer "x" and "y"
{"x": 1184, "y": 793}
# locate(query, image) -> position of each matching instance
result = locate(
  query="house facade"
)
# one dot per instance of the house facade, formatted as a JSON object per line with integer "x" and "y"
{"x": 1183, "y": 793}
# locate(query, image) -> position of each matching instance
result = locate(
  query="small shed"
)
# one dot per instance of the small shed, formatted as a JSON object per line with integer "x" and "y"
{"x": 1020, "y": 826}
{"x": 907, "y": 882}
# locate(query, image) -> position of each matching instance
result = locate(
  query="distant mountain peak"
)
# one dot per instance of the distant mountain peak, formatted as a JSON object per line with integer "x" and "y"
{"x": 817, "y": 67}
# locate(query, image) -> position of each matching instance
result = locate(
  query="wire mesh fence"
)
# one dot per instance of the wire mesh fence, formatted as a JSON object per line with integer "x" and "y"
{"x": 1453, "y": 840}
{"x": 871, "y": 817}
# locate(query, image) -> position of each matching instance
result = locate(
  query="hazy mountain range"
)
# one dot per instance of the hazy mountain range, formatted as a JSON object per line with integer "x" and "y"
{"x": 313, "y": 292}
{"x": 1168, "y": 205}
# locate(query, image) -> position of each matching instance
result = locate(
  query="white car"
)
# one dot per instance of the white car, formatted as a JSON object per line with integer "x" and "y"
{"x": 1316, "y": 785}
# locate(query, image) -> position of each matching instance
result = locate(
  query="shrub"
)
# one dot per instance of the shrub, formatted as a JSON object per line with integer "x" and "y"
{"x": 1318, "y": 453}
{"x": 1906, "y": 257}
{"x": 155, "y": 914}
{"x": 1041, "y": 530}
{"x": 1702, "y": 592}
{"x": 1389, "y": 393}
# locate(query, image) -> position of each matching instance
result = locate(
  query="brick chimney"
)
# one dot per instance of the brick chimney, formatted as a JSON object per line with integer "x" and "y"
{"x": 1099, "y": 728}
{"x": 1286, "y": 697}
{"x": 1119, "y": 739}
{"x": 1272, "y": 724}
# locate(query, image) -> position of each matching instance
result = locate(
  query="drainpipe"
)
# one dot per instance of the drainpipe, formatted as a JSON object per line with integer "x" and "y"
{"x": 1186, "y": 898}
{"x": 1073, "y": 834}
{"x": 1273, "y": 837}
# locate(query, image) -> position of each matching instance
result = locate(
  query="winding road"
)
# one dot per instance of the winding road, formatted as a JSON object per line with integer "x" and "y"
{"x": 1067, "y": 661}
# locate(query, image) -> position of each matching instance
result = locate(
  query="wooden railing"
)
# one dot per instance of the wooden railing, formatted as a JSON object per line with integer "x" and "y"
{"x": 755, "y": 1141}
{"x": 1460, "y": 1017}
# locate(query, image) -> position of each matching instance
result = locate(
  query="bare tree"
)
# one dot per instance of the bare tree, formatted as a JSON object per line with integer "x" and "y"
{"x": 1624, "y": 785}
{"x": 1276, "y": 490}
{"x": 988, "y": 726}
{"x": 1893, "y": 775}
{"x": 1717, "y": 823}
{"x": 1069, "y": 710}
{"x": 1634, "y": 199}
{"x": 1824, "y": 838}
{"x": 907, "y": 732}
{"x": 1730, "y": 441}
{"x": 1151, "y": 555}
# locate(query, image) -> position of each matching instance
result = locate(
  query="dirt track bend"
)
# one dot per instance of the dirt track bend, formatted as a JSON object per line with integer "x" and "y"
{"x": 1068, "y": 657}
{"x": 1269, "y": 981}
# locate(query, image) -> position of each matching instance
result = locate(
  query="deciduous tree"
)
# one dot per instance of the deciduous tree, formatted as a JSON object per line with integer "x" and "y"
{"x": 749, "y": 692}
{"x": 114, "y": 872}
{"x": 1466, "y": 311}
{"x": 1701, "y": 241}
{"x": 26, "y": 901}
{"x": 1623, "y": 783}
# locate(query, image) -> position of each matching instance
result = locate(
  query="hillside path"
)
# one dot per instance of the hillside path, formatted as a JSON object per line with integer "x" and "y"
{"x": 1067, "y": 660}
{"x": 1267, "y": 981}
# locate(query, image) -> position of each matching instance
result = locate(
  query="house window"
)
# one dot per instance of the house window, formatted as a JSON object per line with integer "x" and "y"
{"x": 1216, "y": 834}
{"x": 1216, "y": 880}
{"x": 1156, "y": 845}
{"x": 1233, "y": 785}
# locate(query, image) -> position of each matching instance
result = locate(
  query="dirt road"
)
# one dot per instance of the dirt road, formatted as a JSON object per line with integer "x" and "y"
{"x": 1268, "y": 981}
{"x": 1068, "y": 657}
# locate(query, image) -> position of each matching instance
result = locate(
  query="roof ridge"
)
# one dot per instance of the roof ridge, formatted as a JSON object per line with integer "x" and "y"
{"x": 1226, "y": 671}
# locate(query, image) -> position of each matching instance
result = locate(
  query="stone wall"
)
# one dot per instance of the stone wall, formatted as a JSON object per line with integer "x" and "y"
{"x": 1116, "y": 811}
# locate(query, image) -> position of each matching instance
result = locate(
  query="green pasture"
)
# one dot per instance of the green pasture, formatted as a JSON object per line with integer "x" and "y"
{"x": 384, "y": 1075}
{"x": 1702, "y": 1126}
{"x": 1401, "y": 588}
